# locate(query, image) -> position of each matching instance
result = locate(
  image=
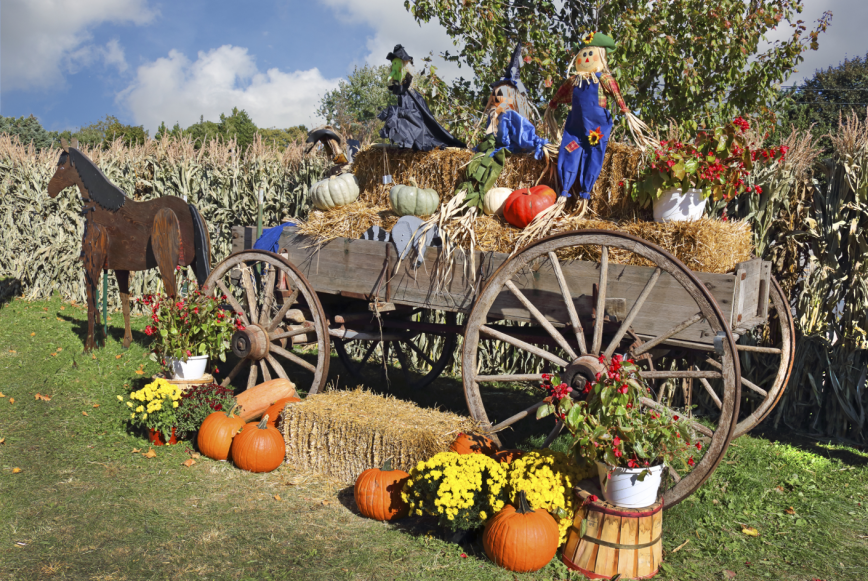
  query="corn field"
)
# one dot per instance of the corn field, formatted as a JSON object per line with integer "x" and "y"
{"x": 40, "y": 242}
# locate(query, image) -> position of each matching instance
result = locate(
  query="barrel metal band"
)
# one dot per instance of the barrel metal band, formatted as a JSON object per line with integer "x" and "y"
{"x": 619, "y": 545}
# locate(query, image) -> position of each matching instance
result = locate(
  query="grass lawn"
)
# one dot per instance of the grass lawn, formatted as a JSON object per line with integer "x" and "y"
{"x": 78, "y": 500}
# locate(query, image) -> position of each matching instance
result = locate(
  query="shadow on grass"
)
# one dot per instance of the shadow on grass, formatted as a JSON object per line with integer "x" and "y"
{"x": 821, "y": 446}
{"x": 10, "y": 287}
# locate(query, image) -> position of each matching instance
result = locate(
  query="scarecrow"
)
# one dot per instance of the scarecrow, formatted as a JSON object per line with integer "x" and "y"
{"x": 589, "y": 123}
{"x": 508, "y": 94}
{"x": 410, "y": 124}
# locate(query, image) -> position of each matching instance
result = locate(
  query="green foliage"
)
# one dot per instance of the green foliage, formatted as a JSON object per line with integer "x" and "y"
{"x": 353, "y": 106}
{"x": 239, "y": 126}
{"x": 200, "y": 401}
{"x": 105, "y": 131}
{"x": 282, "y": 138}
{"x": 29, "y": 130}
{"x": 680, "y": 60}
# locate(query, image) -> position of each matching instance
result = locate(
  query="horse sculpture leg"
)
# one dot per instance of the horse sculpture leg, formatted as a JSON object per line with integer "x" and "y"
{"x": 123, "y": 277}
{"x": 94, "y": 247}
{"x": 166, "y": 243}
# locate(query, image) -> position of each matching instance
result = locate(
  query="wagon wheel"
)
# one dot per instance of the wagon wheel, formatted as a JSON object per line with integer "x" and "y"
{"x": 534, "y": 280}
{"x": 765, "y": 369}
{"x": 415, "y": 351}
{"x": 280, "y": 311}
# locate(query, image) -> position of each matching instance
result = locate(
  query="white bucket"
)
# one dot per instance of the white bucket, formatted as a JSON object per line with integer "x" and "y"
{"x": 192, "y": 368}
{"x": 624, "y": 488}
{"x": 673, "y": 206}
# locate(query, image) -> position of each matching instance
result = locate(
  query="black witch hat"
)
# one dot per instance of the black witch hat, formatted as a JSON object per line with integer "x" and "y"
{"x": 399, "y": 53}
{"x": 512, "y": 76}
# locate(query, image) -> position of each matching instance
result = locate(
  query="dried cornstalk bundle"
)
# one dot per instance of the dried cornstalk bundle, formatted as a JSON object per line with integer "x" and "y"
{"x": 342, "y": 433}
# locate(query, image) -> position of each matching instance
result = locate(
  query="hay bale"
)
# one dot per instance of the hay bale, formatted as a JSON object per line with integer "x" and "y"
{"x": 342, "y": 433}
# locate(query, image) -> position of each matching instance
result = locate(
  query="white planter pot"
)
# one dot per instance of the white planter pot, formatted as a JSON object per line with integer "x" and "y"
{"x": 192, "y": 368}
{"x": 673, "y": 206}
{"x": 624, "y": 488}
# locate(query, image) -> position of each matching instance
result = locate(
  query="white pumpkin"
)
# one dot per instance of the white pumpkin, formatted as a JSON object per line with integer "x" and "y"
{"x": 493, "y": 201}
{"x": 334, "y": 192}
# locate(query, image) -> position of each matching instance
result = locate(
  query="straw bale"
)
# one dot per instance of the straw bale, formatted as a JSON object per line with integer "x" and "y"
{"x": 443, "y": 170}
{"x": 342, "y": 433}
{"x": 349, "y": 221}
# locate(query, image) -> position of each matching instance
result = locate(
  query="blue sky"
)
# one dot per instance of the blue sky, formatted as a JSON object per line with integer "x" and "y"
{"x": 72, "y": 62}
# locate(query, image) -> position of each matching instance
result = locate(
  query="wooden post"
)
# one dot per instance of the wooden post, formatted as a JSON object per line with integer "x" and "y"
{"x": 104, "y": 307}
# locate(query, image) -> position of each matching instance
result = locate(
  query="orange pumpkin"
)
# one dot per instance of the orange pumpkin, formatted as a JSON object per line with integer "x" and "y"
{"x": 378, "y": 493}
{"x": 276, "y": 409}
{"x": 507, "y": 456}
{"x": 258, "y": 447}
{"x": 523, "y": 205}
{"x": 520, "y": 539}
{"x": 473, "y": 444}
{"x": 216, "y": 433}
{"x": 257, "y": 399}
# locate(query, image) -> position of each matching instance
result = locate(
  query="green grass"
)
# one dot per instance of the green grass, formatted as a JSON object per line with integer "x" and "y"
{"x": 85, "y": 507}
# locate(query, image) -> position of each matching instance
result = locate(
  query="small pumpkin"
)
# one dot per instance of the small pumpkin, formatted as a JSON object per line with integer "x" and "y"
{"x": 523, "y": 205}
{"x": 334, "y": 192}
{"x": 378, "y": 493}
{"x": 492, "y": 202}
{"x": 216, "y": 433}
{"x": 276, "y": 409}
{"x": 507, "y": 456}
{"x": 258, "y": 447}
{"x": 413, "y": 200}
{"x": 520, "y": 539}
{"x": 257, "y": 399}
{"x": 473, "y": 444}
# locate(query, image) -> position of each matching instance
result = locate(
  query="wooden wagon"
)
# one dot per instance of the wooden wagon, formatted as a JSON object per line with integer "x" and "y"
{"x": 539, "y": 307}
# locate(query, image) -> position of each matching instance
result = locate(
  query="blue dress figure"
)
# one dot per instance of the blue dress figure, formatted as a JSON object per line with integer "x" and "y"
{"x": 589, "y": 124}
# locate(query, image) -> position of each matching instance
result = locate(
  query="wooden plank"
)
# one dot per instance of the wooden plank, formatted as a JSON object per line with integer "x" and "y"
{"x": 746, "y": 292}
{"x": 588, "y": 551}
{"x": 656, "y": 531}
{"x": 645, "y": 557}
{"x": 574, "y": 536}
{"x": 607, "y": 557}
{"x": 627, "y": 557}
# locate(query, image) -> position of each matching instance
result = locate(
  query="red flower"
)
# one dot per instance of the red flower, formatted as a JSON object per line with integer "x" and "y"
{"x": 189, "y": 354}
{"x": 699, "y": 445}
{"x": 617, "y": 441}
{"x": 618, "y": 453}
{"x": 464, "y": 555}
{"x": 593, "y": 498}
{"x": 196, "y": 310}
{"x": 691, "y": 462}
{"x": 758, "y": 190}
{"x": 178, "y": 268}
{"x": 546, "y": 376}
{"x": 149, "y": 330}
{"x": 675, "y": 418}
{"x": 632, "y": 464}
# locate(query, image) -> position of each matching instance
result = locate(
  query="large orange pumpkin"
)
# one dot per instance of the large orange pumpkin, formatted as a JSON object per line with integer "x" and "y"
{"x": 378, "y": 493}
{"x": 520, "y": 539}
{"x": 276, "y": 409}
{"x": 257, "y": 399}
{"x": 473, "y": 444}
{"x": 522, "y": 206}
{"x": 216, "y": 433}
{"x": 258, "y": 447}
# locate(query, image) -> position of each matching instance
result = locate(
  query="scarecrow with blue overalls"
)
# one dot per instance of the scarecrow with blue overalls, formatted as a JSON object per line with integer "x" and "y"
{"x": 589, "y": 123}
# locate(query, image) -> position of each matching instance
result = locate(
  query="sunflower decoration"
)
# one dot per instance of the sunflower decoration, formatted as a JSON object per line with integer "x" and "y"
{"x": 594, "y": 136}
{"x": 588, "y": 38}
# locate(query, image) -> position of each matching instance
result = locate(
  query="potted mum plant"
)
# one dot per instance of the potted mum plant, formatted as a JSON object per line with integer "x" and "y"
{"x": 630, "y": 443}
{"x": 187, "y": 331}
{"x": 155, "y": 407}
{"x": 678, "y": 177}
{"x": 200, "y": 401}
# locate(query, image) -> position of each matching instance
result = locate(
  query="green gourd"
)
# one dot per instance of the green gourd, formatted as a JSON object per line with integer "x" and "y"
{"x": 334, "y": 192}
{"x": 413, "y": 200}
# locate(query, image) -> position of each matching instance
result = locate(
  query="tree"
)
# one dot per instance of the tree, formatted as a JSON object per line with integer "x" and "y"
{"x": 238, "y": 125}
{"x": 29, "y": 130}
{"x": 693, "y": 61}
{"x": 353, "y": 106}
{"x": 284, "y": 137}
{"x": 129, "y": 134}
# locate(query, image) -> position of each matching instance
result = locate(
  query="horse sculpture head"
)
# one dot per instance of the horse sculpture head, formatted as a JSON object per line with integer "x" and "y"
{"x": 75, "y": 168}
{"x": 65, "y": 175}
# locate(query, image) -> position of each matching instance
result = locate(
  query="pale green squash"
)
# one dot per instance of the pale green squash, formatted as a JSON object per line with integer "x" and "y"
{"x": 334, "y": 192}
{"x": 413, "y": 201}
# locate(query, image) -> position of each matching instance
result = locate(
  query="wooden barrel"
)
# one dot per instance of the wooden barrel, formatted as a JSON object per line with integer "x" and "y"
{"x": 605, "y": 539}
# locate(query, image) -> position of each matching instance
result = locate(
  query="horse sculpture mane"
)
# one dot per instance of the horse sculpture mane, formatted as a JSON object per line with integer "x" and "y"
{"x": 98, "y": 186}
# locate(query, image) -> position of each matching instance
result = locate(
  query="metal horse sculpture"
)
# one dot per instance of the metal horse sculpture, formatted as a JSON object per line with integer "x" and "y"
{"x": 123, "y": 235}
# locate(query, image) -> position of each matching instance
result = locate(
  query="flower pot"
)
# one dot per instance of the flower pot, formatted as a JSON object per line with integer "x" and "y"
{"x": 675, "y": 206}
{"x": 624, "y": 488}
{"x": 156, "y": 438}
{"x": 192, "y": 368}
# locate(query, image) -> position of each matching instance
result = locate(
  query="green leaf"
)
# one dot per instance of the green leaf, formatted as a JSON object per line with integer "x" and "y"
{"x": 544, "y": 410}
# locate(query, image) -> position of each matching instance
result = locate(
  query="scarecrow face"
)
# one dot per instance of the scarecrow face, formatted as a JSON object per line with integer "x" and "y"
{"x": 589, "y": 60}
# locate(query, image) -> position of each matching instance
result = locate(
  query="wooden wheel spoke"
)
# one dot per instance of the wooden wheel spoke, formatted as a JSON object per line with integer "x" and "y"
{"x": 710, "y": 392}
{"x": 249, "y": 292}
{"x": 307, "y": 327}
{"x": 662, "y": 408}
{"x": 601, "y": 301}
{"x": 232, "y": 301}
{"x": 507, "y": 378}
{"x": 420, "y": 353}
{"x": 541, "y": 319}
{"x": 568, "y": 300}
{"x": 292, "y": 357}
{"x": 266, "y": 375}
{"x": 757, "y": 349}
{"x": 668, "y": 334}
{"x": 512, "y": 419}
{"x": 268, "y": 299}
{"x": 234, "y": 372}
{"x": 368, "y": 353}
{"x": 251, "y": 379}
{"x": 679, "y": 374}
{"x": 637, "y": 306}
{"x": 402, "y": 361}
{"x": 522, "y": 345}
{"x": 283, "y": 310}
{"x": 278, "y": 368}
{"x": 748, "y": 384}
{"x": 559, "y": 426}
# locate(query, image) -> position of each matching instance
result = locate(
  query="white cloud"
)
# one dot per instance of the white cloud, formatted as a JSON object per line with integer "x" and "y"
{"x": 42, "y": 39}
{"x": 174, "y": 89}
{"x": 392, "y": 24}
